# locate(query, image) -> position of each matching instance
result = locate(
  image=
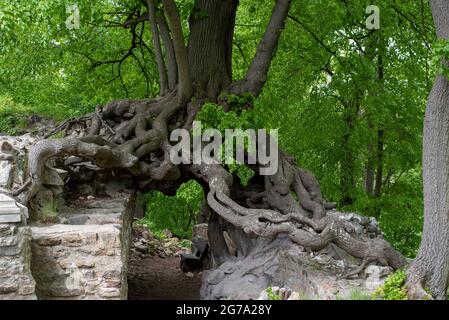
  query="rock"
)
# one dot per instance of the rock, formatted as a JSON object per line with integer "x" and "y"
{"x": 199, "y": 232}
{"x": 282, "y": 293}
{"x": 189, "y": 275}
{"x": 109, "y": 293}
{"x": 13, "y": 156}
{"x": 140, "y": 247}
{"x": 376, "y": 276}
{"x": 168, "y": 233}
{"x": 85, "y": 189}
{"x": 147, "y": 235}
{"x": 16, "y": 280}
{"x": 281, "y": 264}
{"x": 87, "y": 261}
{"x": 6, "y": 174}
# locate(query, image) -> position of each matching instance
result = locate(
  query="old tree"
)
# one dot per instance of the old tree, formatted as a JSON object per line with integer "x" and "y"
{"x": 194, "y": 62}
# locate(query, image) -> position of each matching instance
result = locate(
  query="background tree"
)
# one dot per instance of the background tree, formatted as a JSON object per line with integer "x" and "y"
{"x": 430, "y": 269}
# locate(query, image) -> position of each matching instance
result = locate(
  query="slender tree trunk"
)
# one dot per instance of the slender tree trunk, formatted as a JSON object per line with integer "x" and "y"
{"x": 347, "y": 181}
{"x": 369, "y": 171}
{"x": 430, "y": 269}
{"x": 163, "y": 83}
{"x": 172, "y": 70}
{"x": 379, "y": 164}
{"x": 380, "y": 135}
{"x": 185, "y": 89}
{"x": 369, "y": 55}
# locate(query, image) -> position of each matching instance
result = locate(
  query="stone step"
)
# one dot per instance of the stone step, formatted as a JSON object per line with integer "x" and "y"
{"x": 10, "y": 218}
{"x": 8, "y": 206}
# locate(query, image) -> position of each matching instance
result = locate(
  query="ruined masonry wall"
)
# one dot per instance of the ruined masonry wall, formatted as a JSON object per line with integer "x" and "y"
{"x": 16, "y": 281}
{"x": 86, "y": 258}
{"x": 84, "y": 261}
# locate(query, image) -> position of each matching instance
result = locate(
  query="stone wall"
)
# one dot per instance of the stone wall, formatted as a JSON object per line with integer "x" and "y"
{"x": 86, "y": 258}
{"x": 82, "y": 256}
{"x": 16, "y": 281}
{"x": 279, "y": 262}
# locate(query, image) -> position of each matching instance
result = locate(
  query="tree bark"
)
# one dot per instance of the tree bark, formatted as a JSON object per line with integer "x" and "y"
{"x": 185, "y": 89}
{"x": 210, "y": 46}
{"x": 163, "y": 83}
{"x": 379, "y": 166}
{"x": 380, "y": 135}
{"x": 347, "y": 182}
{"x": 369, "y": 170}
{"x": 257, "y": 74}
{"x": 430, "y": 269}
{"x": 172, "y": 69}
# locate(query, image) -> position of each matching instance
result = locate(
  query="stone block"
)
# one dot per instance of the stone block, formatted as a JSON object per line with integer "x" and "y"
{"x": 87, "y": 261}
{"x": 16, "y": 281}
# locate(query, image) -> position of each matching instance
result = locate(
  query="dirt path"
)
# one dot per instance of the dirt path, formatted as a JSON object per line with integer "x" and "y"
{"x": 156, "y": 278}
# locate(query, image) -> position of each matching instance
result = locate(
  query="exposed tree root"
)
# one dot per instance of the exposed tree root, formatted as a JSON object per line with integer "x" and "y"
{"x": 415, "y": 285}
{"x": 296, "y": 224}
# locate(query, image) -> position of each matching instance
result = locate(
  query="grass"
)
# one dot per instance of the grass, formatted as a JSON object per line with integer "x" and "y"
{"x": 272, "y": 295}
{"x": 49, "y": 212}
{"x": 13, "y": 114}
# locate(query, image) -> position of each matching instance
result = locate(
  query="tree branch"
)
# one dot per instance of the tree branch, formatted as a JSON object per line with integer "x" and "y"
{"x": 256, "y": 76}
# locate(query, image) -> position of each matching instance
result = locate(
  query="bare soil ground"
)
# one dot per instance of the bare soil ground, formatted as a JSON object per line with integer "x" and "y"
{"x": 157, "y": 277}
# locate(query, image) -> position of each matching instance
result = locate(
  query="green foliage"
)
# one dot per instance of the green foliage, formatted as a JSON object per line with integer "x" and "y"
{"x": 235, "y": 102}
{"x": 355, "y": 294}
{"x": 11, "y": 116}
{"x": 272, "y": 295}
{"x": 393, "y": 288}
{"x": 441, "y": 52}
{"x": 243, "y": 172}
{"x": 213, "y": 116}
{"x": 177, "y": 213}
{"x": 329, "y": 105}
{"x": 185, "y": 243}
{"x": 358, "y": 295}
{"x": 399, "y": 212}
{"x": 11, "y": 124}
{"x": 49, "y": 211}
{"x": 47, "y": 67}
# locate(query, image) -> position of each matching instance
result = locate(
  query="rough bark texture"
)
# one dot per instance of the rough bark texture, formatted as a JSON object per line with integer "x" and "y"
{"x": 131, "y": 137}
{"x": 347, "y": 182}
{"x": 257, "y": 74}
{"x": 172, "y": 69}
{"x": 430, "y": 269}
{"x": 210, "y": 46}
